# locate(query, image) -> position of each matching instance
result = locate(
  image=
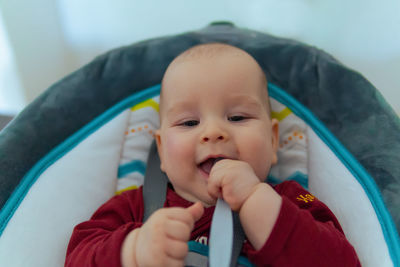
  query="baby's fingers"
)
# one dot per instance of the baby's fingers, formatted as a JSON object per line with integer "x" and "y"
{"x": 177, "y": 230}
{"x": 214, "y": 188}
{"x": 196, "y": 210}
{"x": 177, "y": 249}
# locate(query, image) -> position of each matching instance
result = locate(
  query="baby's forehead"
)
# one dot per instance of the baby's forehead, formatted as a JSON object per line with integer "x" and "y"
{"x": 173, "y": 103}
{"x": 210, "y": 53}
{"x": 203, "y": 66}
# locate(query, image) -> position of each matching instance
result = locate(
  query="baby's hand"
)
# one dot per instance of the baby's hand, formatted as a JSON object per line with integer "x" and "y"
{"x": 236, "y": 181}
{"x": 162, "y": 240}
{"x": 245, "y": 193}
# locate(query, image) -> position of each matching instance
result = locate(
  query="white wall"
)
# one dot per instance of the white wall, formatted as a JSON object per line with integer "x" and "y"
{"x": 52, "y": 38}
{"x": 10, "y": 87}
{"x": 38, "y": 45}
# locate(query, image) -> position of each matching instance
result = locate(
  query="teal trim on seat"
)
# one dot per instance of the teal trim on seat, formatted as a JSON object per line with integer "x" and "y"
{"x": 297, "y": 176}
{"x": 363, "y": 177}
{"x": 203, "y": 250}
{"x": 33, "y": 174}
{"x": 133, "y": 166}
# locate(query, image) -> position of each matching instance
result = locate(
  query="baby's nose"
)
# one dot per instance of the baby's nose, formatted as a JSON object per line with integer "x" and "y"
{"x": 214, "y": 134}
{"x": 207, "y": 139}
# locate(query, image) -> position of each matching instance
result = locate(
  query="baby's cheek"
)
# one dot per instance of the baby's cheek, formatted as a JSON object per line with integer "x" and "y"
{"x": 260, "y": 152}
{"x": 178, "y": 146}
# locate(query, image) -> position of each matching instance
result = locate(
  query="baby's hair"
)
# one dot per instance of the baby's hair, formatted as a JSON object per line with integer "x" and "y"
{"x": 212, "y": 50}
{"x": 209, "y": 50}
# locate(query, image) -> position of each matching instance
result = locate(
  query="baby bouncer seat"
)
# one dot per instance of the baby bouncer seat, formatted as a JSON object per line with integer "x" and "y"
{"x": 88, "y": 137}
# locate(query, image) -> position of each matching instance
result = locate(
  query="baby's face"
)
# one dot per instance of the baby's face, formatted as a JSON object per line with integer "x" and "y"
{"x": 213, "y": 108}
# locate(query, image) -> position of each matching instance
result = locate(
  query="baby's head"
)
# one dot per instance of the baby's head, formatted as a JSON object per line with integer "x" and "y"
{"x": 213, "y": 104}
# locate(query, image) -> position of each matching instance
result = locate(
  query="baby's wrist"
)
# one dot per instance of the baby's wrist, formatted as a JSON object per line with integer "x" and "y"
{"x": 262, "y": 194}
{"x": 259, "y": 213}
{"x": 249, "y": 195}
{"x": 128, "y": 249}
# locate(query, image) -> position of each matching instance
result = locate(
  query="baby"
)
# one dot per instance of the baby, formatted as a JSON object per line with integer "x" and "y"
{"x": 216, "y": 140}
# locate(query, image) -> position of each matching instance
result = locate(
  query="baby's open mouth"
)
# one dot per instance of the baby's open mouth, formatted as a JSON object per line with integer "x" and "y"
{"x": 207, "y": 165}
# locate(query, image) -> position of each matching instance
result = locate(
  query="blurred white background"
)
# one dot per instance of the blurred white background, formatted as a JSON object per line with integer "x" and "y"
{"x": 41, "y": 41}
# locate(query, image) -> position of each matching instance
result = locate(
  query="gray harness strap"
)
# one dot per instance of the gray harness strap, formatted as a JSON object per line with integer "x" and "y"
{"x": 154, "y": 195}
{"x": 238, "y": 238}
{"x": 155, "y": 184}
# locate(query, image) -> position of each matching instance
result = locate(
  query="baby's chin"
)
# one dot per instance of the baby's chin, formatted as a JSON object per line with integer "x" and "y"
{"x": 207, "y": 201}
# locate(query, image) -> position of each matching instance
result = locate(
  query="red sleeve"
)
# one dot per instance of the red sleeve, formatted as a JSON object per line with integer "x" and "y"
{"x": 306, "y": 233}
{"x": 98, "y": 242}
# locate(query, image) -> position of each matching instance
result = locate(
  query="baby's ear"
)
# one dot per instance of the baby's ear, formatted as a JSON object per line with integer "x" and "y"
{"x": 159, "y": 148}
{"x": 274, "y": 140}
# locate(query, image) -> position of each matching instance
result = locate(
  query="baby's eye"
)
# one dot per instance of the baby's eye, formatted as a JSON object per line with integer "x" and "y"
{"x": 236, "y": 118}
{"x": 189, "y": 123}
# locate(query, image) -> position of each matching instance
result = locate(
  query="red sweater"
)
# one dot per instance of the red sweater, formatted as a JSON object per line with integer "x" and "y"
{"x": 306, "y": 232}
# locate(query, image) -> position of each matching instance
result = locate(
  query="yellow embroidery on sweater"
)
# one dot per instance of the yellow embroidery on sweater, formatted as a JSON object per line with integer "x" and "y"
{"x": 306, "y": 198}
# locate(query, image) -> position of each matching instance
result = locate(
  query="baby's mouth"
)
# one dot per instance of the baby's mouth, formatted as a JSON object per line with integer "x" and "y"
{"x": 207, "y": 165}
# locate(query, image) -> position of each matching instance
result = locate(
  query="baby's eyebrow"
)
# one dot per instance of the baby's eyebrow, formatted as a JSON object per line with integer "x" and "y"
{"x": 178, "y": 108}
{"x": 247, "y": 101}
{"x": 237, "y": 100}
